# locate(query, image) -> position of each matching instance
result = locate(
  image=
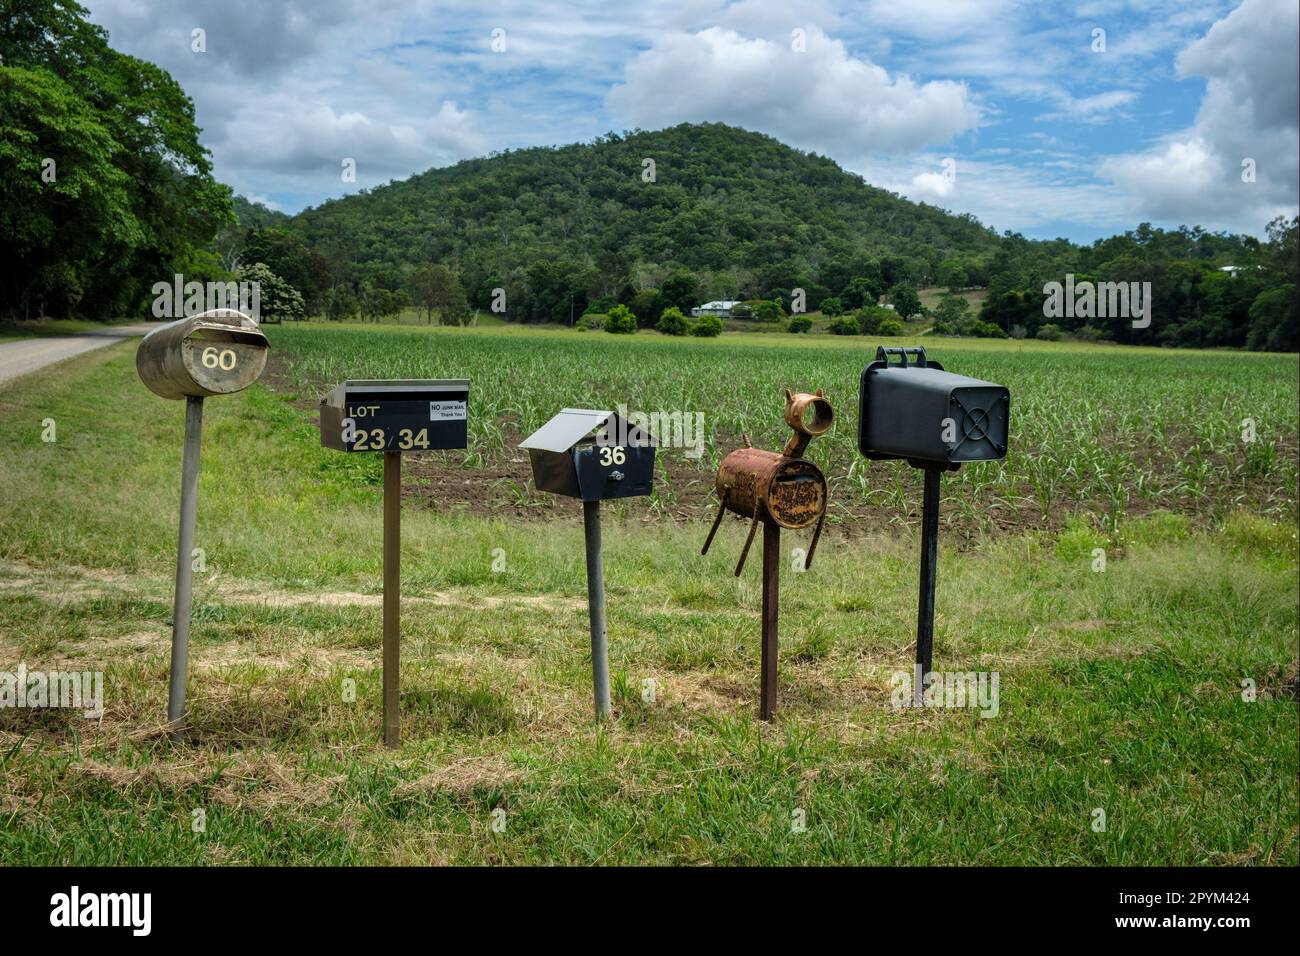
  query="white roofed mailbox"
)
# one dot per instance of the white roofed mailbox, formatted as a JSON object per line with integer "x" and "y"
{"x": 593, "y": 455}
{"x": 570, "y": 458}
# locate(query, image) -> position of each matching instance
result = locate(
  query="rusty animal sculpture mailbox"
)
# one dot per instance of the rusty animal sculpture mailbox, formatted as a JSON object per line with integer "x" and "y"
{"x": 215, "y": 353}
{"x": 935, "y": 420}
{"x": 779, "y": 491}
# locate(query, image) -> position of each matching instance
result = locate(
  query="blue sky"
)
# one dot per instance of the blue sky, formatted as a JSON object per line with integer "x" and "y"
{"x": 1017, "y": 112}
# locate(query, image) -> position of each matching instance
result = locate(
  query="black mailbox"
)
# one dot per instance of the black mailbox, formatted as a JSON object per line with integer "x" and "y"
{"x": 919, "y": 412}
{"x": 569, "y": 458}
{"x": 396, "y": 415}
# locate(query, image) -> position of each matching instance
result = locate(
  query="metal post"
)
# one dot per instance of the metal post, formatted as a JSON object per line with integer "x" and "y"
{"x": 392, "y": 593}
{"x": 184, "y": 568}
{"x": 771, "y": 590}
{"x": 929, "y": 566}
{"x": 596, "y": 607}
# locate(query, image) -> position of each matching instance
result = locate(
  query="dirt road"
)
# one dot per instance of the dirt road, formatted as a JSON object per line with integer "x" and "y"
{"x": 28, "y": 355}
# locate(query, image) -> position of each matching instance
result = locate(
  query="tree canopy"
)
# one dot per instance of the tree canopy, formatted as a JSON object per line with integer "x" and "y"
{"x": 105, "y": 187}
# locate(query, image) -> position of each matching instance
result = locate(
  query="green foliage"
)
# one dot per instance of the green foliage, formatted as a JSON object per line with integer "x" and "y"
{"x": 831, "y": 307}
{"x": 435, "y": 287}
{"x": 707, "y": 327}
{"x": 789, "y": 220}
{"x": 1201, "y": 301}
{"x": 672, "y": 322}
{"x": 130, "y": 194}
{"x": 799, "y": 323}
{"x": 1275, "y": 320}
{"x": 766, "y": 310}
{"x": 679, "y": 291}
{"x": 1048, "y": 333}
{"x": 889, "y": 326}
{"x": 870, "y": 317}
{"x": 951, "y": 310}
{"x": 905, "y": 300}
{"x": 863, "y": 291}
{"x": 277, "y": 299}
{"x": 620, "y": 320}
{"x": 591, "y": 321}
{"x": 642, "y": 305}
{"x": 952, "y": 273}
{"x": 340, "y": 304}
{"x": 844, "y": 325}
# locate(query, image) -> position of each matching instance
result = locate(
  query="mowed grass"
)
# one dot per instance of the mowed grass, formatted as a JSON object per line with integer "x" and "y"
{"x": 1120, "y": 690}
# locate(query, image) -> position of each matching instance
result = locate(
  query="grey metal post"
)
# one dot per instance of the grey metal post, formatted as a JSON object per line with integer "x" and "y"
{"x": 596, "y": 607}
{"x": 184, "y": 568}
{"x": 929, "y": 568}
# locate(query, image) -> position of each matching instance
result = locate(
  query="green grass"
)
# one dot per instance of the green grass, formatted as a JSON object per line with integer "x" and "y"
{"x": 1120, "y": 689}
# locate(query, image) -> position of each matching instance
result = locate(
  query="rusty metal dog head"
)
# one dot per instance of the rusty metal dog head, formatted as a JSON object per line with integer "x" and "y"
{"x": 786, "y": 489}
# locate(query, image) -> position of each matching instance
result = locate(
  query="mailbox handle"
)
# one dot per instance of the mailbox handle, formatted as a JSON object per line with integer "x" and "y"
{"x": 883, "y": 353}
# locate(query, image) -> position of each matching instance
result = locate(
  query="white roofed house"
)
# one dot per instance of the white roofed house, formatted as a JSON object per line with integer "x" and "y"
{"x": 721, "y": 308}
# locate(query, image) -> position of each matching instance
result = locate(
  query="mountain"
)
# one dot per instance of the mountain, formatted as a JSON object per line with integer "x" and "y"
{"x": 746, "y": 214}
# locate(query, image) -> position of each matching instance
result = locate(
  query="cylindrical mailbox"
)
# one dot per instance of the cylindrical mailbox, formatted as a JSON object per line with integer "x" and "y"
{"x": 215, "y": 353}
{"x": 757, "y": 484}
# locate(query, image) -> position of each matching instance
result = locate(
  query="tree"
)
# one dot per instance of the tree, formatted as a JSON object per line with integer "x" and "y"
{"x": 952, "y": 273}
{"x": 799, "y": 323}
{"x": 672, "y": 322}
{"x": 620, "y": 321}
{"x": 708, "y": 327}
{"x": 130, "y": 194}
{"x": 767, "y": 310}
{"x": 340, "y": 304}
{"x": 276, "y": 298}
{"x": 681, "y": 290}
{"x": 905, "y": 300}
{"x": 434, "y": 286}
{"x": 832, "y": 307}
{"x": 642, "y": 306}
{"x": 862, "y": 291}
{"x": 1275, "y": 320}
{"x": 950, "y": 313}
{"x": 869, "y": 319}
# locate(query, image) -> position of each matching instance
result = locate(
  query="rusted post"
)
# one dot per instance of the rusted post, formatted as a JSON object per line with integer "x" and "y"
{"x": 392, "y": 595}
{"x": 771, "y": 593}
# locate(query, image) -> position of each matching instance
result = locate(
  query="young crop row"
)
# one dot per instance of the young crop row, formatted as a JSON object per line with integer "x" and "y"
{"x": 1100, "y": 430}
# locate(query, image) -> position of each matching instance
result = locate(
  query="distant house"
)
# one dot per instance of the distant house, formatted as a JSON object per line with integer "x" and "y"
{"x": 721, "y": 308}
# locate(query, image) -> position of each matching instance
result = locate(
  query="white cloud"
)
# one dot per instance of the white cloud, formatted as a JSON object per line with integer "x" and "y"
{"x": 1249, "y": 111}
{"x": 823, "y": 99}
{"x": 1090, "y": 109}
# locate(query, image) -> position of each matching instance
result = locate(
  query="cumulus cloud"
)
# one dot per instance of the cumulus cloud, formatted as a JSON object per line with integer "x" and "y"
{"x": 822, "y": 99}
{"x": 1249, "y": 113}
{"x": 1046, "y": 194}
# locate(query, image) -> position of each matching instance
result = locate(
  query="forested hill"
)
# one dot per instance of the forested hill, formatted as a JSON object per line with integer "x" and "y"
{"x": 740, "y": 210}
